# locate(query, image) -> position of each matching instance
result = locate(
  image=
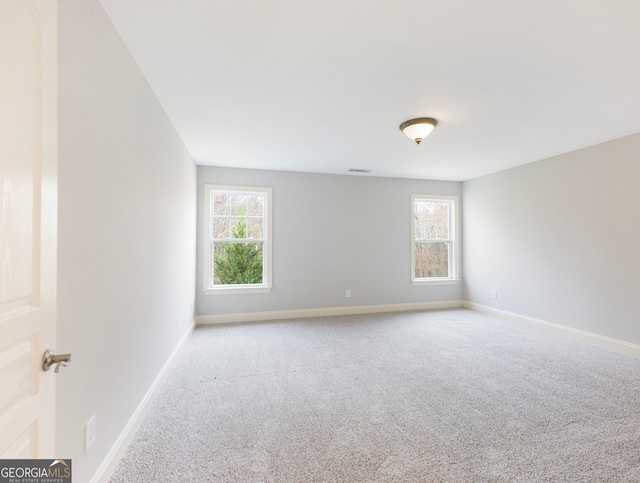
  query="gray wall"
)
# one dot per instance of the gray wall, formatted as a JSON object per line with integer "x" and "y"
{"x": 559, "y": 239}
{"x": 330, "y": 233}
{"x": 126, "y": 267}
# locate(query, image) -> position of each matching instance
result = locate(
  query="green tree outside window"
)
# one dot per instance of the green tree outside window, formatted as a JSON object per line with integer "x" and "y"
{"x": 241, "y": 262}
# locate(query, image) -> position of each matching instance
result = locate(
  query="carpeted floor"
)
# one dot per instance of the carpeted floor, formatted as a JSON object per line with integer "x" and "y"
{"x": 437, "y": 396}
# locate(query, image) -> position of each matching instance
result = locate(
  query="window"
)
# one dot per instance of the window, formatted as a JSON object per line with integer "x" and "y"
{"x": 433, "y": 240}
{"x": 237, "y": 230}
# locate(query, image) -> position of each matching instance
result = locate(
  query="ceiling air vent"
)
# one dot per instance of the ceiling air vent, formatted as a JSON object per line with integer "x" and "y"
{"x": 354, "y": 170}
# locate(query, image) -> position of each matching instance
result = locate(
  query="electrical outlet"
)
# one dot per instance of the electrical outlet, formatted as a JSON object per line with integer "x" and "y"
{"x": 348, "y": 293}
{"x": 190, "y": 308}
{"x": 89, "y": 433}
{"x": 494, "y": 294}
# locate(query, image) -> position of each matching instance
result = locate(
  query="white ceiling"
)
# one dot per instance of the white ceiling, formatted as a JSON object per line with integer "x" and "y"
{"x": 321, "y": 86}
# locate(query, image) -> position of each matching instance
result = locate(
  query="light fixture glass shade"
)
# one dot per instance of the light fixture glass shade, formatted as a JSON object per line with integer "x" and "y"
{"x": 418, "y": 129}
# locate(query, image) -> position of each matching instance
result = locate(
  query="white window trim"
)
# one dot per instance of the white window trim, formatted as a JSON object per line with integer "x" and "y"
{"x": 455, "y": 246}
{"x": 266, "y": 286}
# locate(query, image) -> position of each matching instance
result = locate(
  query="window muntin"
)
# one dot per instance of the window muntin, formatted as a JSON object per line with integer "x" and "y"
{"x": 238, "y": 239}
{"x": 433, "y": 250}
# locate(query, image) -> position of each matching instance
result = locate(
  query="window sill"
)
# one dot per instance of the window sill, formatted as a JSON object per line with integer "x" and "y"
{"x": 442, "y": 281}
{"x": 237, "y": 290}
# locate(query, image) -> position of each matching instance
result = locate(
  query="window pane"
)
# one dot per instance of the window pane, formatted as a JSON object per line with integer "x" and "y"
{"x": 221, "y": 227}
{"x": 431, "y": 220}
{"x": 422, "y": 219}
{"x": 238, "y": 227}
{"x": 237, "y": 263}
{"x": 238, "y": 204}
{"x": 255, "y": 205}
{"x": 221, "y": 204}
{"x": 432, "y": 259}
{"x": 255, "y": 227}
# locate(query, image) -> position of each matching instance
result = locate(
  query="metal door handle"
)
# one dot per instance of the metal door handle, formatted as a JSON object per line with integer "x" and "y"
{"x": 49, "y": 359}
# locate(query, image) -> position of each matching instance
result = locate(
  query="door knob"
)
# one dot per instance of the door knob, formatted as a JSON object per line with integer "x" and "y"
{"x": 49, "y": 359}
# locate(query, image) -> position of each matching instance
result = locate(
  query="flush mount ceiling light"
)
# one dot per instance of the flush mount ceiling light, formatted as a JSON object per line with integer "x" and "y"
{"x": 418, "y": 129}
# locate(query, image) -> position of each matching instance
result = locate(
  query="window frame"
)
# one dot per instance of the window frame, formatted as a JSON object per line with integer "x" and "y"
{"x": 265, "y": 287}
{"x": 454, "y": 249}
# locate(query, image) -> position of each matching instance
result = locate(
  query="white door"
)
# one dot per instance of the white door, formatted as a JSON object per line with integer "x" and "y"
{"x": 28, "y": 219}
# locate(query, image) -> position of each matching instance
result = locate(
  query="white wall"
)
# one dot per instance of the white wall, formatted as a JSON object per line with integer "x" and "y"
{"x": 559, "y": 239}
{"x": 330, "y": 233}
{"x": 126, "y": 234}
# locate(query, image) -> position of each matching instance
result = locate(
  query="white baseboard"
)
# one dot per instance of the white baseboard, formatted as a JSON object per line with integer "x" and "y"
{"x": 110, "y": 462}
{"x": 590, "y": 338}
{"x": 304, "y": 313}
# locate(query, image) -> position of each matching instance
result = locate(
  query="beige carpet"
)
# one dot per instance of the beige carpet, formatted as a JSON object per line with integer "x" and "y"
{"x": 438, "y": 396}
